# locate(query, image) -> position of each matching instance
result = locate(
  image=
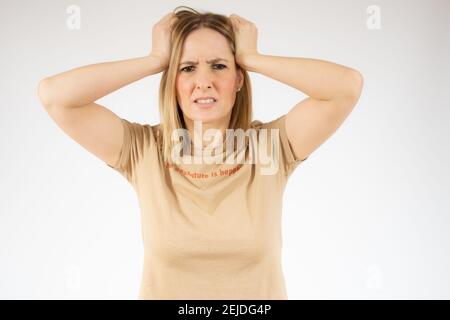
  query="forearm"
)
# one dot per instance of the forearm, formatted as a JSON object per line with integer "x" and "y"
{"x": 86, "y": 84}
{"x": 318, "y": 79}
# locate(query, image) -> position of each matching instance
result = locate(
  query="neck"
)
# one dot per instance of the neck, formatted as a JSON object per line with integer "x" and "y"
{"x": 198, "y": 128}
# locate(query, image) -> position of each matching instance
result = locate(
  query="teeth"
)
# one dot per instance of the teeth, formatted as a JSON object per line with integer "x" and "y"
{"x": 205, "y": 101}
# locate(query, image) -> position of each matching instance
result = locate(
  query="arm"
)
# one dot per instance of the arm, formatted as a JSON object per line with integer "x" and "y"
{"x": 333, "y": 91}
{"x": 318, "y": 79}
{"x": 86, "y": 84}
{"x": 69, "y": 98}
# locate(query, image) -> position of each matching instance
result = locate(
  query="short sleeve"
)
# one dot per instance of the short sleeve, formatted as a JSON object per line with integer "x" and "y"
{"x": 288, "y": 160}
{"x": 137, "y": 139}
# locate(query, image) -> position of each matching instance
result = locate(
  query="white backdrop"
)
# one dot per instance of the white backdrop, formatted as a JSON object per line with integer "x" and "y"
{"x": 365, "y": 217}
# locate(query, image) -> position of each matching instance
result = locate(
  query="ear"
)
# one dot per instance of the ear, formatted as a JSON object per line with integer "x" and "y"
{"x": 240, "y": 78}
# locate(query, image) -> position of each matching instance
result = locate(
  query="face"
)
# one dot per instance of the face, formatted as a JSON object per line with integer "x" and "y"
{"x": 199, "y": 78}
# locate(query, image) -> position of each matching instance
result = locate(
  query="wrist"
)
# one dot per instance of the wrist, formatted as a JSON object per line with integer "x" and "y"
{"x": 246, "y": 61}
{"x": 157, "y": 62}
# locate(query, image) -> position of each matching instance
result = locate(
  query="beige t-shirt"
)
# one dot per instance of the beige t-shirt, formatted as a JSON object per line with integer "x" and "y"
{"x": 210, "y": 231}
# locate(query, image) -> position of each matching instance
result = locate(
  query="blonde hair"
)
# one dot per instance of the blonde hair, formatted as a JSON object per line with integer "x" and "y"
{"x": 171, "y": 114}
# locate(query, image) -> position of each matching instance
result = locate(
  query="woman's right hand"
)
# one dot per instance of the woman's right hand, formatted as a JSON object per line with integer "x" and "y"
{"x": 161, "y": 45}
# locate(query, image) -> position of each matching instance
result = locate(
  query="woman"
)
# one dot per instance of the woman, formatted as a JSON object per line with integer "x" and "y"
{"x": 211, "y": 229}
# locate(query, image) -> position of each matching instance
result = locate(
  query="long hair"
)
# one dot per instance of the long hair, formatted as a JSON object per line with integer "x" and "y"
{"x": 171, "y": 114}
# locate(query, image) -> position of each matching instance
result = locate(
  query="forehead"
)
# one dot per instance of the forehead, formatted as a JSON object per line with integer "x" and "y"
{"x": 205, "y": 43}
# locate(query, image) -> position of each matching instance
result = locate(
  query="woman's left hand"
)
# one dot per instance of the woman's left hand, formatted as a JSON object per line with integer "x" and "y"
{"x": 246, "y": 35}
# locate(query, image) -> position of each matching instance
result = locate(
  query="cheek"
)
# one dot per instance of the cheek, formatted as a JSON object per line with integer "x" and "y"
{"x": 230, "y": 84}
{"x": 182, "y": 91}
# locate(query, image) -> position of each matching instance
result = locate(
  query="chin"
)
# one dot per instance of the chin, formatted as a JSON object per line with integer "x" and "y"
{"x": 207, "y": 117}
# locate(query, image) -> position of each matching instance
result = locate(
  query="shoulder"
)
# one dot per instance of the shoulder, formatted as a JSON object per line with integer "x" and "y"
{"x": 140, "y": 134}
{"x": 274, "y": 123}
{"x": 157, "y": 134}
{"x": 156, "y": 129}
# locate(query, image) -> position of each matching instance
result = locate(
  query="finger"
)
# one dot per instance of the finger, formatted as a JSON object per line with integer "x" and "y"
{"x": 172, "y": 19}
{"x": 234, "y": 17}
{"x": 170, "y": 16}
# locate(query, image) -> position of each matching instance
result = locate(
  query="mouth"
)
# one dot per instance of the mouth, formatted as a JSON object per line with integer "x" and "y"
{"x": 205, "y": 105}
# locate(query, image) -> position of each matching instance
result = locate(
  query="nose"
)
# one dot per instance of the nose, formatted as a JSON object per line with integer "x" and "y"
{"x": 204, "y": 78}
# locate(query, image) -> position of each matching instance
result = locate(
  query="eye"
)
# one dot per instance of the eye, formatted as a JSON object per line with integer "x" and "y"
{"x": 224, "y": 66}
{"x": 183, "y": 69}
{"x": 218, "y": 64}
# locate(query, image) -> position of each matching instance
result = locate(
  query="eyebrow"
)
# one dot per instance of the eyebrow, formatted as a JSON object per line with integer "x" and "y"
{"x": 209, "y": 61}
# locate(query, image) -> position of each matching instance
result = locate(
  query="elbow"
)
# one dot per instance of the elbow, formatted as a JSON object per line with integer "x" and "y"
{"x": 43, "y": 92}
{"x": 356, "y": 84}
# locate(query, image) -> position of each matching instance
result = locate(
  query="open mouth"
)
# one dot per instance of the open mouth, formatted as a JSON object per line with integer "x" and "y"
{"x": 205, "y": 103}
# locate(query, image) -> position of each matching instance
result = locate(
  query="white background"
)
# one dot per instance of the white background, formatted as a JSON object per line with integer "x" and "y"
{"x": 365, "y": 217}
